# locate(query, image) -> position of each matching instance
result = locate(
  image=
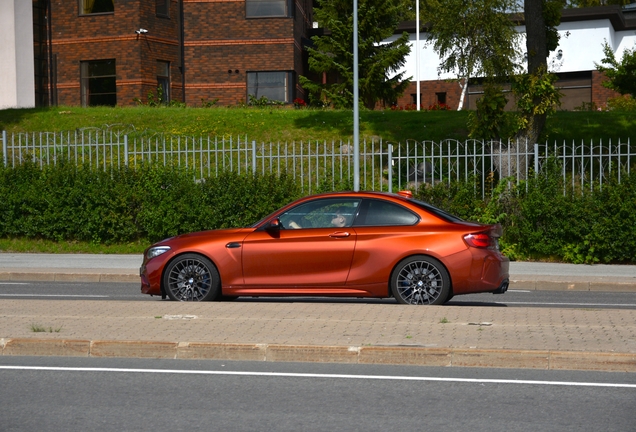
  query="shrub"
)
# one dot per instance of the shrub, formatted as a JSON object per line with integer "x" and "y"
{"x": 543, "y": 218}
{"x": 63, "y": 202}
{"x": 622, "y": 103}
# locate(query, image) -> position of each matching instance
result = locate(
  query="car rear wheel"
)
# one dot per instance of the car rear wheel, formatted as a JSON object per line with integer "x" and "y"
{"x": 420, "y": 280}
{"x": 192, "y": 277}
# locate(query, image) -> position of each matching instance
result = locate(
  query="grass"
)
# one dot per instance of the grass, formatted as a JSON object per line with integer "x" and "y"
{"x": 37, "y": 328}
{"x": 25, "y": 245}
{"x": 261, "y": 124}
{"x": 276, "y": 124}
{"x": 283, "y": 124}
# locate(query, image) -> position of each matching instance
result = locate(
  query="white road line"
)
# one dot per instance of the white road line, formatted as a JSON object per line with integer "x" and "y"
{"x": 312, "y": 375}
{"x": 14, "y": 283}
{"x": 54, "y": 295}
{"x": 573, "y": 304}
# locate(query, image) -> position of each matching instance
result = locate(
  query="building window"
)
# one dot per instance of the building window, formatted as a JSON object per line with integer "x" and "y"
{"x": 163, "y": 81}
{"x": 98, "y": 83}
{"x": 272, "y": 85}
{"x": 441, "y": 98}
{"x": 162, "y": 7}
{"x": 88, "y": 7}
{"x": 266, "y": 8}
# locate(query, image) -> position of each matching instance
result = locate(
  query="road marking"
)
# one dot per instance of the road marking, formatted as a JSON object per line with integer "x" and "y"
{"x": 573, "y": 304}
{"x": 14, "y": 283}
{"x": 313, "y": 375}
{"x": 54, "y": 295}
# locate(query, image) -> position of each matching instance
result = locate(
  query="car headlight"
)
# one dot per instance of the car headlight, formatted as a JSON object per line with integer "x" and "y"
{"x": 155, "y": 251}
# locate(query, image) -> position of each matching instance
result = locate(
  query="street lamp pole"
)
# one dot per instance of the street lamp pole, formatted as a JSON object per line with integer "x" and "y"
{"x": 417, "y": 52}
{"x": 356, "y": 114}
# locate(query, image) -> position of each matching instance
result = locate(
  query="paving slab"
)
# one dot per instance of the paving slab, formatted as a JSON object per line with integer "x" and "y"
{"x": 544, "y": 338}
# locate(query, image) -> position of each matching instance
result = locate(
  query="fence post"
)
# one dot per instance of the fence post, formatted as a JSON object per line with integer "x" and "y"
{"x": 4, "y": 147}
{"x": 390, "y": 167}
{"x": 536, "y": 160}
{"x": 126, "y": 150}
{"x": 254, "y": 157}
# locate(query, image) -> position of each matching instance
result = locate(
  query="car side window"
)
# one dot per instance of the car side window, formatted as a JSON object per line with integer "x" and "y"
{"x": 383, "y": 213}
{"x": 322, "y": 213}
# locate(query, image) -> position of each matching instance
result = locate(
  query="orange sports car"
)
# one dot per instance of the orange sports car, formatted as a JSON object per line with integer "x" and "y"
{"x": 348, "y": 244}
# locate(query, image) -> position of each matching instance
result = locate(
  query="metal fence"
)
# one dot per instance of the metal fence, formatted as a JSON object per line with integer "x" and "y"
{"x": 322, "y": 165}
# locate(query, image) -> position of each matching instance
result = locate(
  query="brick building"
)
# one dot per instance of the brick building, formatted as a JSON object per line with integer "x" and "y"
{"x": 113, "y": 52}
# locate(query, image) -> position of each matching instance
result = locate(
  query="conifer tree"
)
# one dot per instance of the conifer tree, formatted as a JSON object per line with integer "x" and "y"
{"x": 379, "y": 63}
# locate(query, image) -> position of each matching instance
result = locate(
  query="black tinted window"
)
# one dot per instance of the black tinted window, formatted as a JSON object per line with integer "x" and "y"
{"x": 437, "y": 212}
{"x": 382, "y": 213}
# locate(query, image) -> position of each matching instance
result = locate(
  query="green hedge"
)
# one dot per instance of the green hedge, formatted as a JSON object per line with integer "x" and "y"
{"x": 545, "y": 219}
{"x": 66, "y": 203}
{"x": 63, "y": 202}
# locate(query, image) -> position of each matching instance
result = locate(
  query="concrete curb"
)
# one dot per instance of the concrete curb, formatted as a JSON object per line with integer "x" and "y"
{"x": 515, "y": 284}
{"x": 388, "y": 355}
{"x": 67, "y": 277}
{"x": 551, "y": 285}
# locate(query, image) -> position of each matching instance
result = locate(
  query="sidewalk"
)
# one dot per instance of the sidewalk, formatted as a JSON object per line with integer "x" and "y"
{"x": 321, "y": 331}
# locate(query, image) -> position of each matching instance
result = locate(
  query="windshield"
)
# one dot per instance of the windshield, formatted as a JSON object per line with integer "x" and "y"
{"x": 255, "y": 224}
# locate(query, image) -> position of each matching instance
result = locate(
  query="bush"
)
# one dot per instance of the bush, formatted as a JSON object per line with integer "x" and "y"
{"x": 546, "y": 219}
{"x": 63, "y": 202}
{"x": 622, "y": 103}
{"x": 543, "y": 218}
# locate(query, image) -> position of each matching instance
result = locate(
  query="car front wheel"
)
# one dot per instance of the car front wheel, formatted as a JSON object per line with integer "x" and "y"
{"x": 419, "y": 280}
{"x": 192, "y": 277}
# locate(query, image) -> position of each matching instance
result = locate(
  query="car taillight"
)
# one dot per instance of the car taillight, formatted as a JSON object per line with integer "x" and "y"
{"x": 479, "y": 240}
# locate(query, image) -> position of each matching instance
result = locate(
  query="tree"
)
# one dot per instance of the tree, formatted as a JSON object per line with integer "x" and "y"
{"x": 332, "y": 53}
{"x": 621, "y": 74}
{"x": 473, "y": 38}
{"x": 535, "y": 92}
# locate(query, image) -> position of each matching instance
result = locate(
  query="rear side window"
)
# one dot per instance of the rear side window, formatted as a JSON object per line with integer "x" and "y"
{"x": 443, "y": 215}
{"x": 383, "y": 213}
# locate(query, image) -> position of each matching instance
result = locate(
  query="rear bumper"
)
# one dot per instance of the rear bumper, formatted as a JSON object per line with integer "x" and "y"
{"x": 502, "y": 288}
{"x": 479, "y": 271}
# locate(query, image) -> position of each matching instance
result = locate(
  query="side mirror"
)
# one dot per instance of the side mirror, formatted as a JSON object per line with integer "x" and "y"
{"x": 275, "y": 225}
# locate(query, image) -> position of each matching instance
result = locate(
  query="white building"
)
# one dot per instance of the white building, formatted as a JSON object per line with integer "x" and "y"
{"x": 17, "y": 72}
{"x": 582, "y": 31}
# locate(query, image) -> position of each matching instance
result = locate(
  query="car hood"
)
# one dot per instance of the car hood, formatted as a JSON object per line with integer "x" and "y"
{"x": 207, "y": 236}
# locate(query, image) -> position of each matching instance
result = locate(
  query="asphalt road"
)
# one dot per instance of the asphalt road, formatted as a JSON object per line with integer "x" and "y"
{"x": 128, "y": 291}
{"x": 62, "y": 394}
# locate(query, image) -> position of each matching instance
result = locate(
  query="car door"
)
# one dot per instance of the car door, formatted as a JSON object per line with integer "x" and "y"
{"x": 385, "y": 232}
{"x": 318, "y": 253}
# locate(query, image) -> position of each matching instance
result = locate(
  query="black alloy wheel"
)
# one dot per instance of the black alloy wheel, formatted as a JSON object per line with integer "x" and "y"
{"x": 420, "y": 280}
{"x": 192, "y": 277}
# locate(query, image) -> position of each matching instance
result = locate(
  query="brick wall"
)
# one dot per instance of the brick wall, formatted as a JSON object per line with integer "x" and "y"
{"x": 428, "y": 93}
{"x": 600, "y": 94}
{"x": 78, "y": 38}
{"x": 222, "y": 45}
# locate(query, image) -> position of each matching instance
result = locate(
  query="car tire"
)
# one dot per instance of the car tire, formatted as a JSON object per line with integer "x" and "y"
{"x": 192, "y": 277}
{"x": 420, "y": 279}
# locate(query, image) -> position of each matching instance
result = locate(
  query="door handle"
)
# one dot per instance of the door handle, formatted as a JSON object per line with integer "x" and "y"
{"x": 339, "y": 234}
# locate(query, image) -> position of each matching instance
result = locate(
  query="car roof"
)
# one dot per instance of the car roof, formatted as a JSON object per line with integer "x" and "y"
{"x": 401, "y": 196}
